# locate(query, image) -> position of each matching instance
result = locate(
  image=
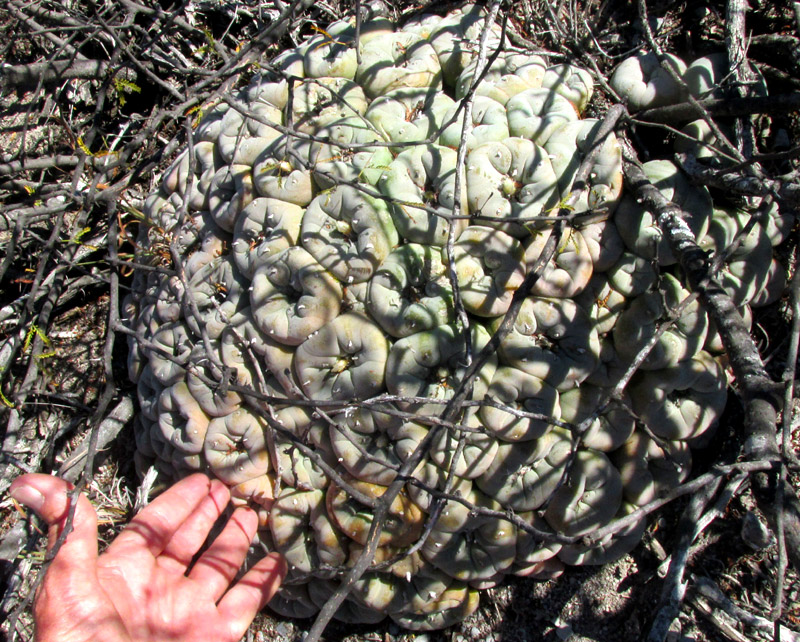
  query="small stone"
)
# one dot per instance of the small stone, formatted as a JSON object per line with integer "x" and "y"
{"x": 755, "y": 533}
{"x": 564, "y": 630}
{"x": 284, "y": 630}
{"x": 674, "y": 632}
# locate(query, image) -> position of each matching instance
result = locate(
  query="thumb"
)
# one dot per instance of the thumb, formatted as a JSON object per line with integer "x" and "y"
{"x": 48, "y": 497}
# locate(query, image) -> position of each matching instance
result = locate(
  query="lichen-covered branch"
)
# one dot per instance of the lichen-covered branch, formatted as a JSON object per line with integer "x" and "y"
{"x": 758, "y": 391}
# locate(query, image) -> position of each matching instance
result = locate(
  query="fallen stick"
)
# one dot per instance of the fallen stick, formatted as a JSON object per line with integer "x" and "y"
{"x": 759, "y": 393}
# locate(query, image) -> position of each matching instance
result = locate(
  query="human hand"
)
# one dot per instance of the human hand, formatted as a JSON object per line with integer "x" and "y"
{"x": 139, "y": 588}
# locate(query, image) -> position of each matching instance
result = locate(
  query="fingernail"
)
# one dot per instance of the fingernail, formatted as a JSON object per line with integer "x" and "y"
{"x": 28, "y": 496}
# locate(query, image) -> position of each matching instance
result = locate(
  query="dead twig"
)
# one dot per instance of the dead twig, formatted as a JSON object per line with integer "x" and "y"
{"x": 756, "y": 388}
{"x": 721, "y": 107}
{"x": 702, "y": 589}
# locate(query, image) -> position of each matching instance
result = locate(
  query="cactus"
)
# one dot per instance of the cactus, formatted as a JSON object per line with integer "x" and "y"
{"x": 304, "y": 342}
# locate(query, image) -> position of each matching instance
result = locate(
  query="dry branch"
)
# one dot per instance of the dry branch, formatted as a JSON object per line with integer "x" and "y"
{"x": 757, "y": 390}
{"x": 48, "y": 73}
{"x": 722, "y": 108}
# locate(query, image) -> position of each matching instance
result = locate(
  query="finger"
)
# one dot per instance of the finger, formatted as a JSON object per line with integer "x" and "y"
{"x": 156, "y": 524}
{"x": 249, "y": 595}
{"x": 217, "y": 567}
{"x": 188, "y": 539}
{"x": 48, "y": 497}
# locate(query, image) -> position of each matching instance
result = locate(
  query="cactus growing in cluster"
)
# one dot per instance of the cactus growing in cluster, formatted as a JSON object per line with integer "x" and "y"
{"x": 332, "y": 273}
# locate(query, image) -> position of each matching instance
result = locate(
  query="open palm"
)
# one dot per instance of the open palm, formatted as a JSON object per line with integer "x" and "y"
{"x": 145, "y": 586}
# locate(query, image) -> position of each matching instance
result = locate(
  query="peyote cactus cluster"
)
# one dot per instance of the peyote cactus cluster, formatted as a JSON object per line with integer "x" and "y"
{"x": 307, "y": 247}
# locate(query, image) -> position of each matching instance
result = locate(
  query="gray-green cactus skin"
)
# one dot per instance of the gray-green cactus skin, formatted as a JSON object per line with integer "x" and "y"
{"x": 512, "y": 178}
{"x": 643, "y": 82}
{"x": 637, "y": 225}
{"x": 324, "y": 276}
